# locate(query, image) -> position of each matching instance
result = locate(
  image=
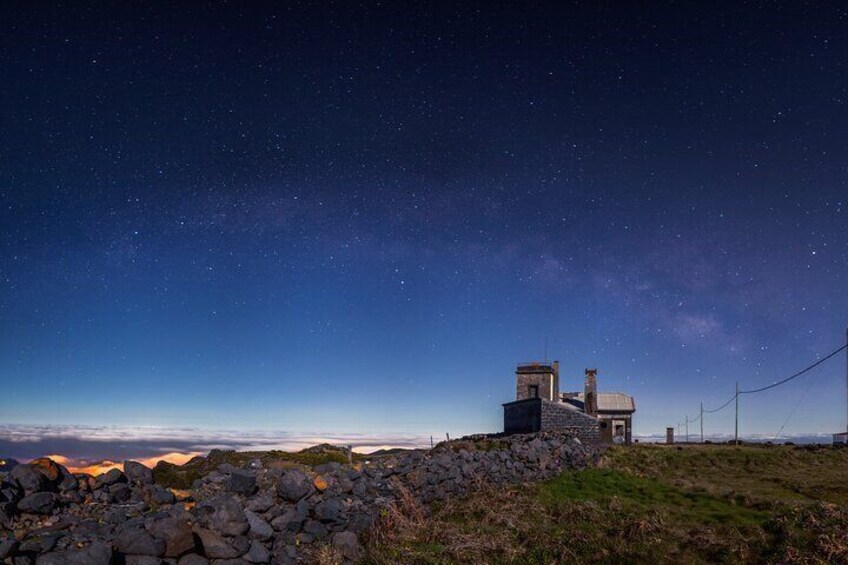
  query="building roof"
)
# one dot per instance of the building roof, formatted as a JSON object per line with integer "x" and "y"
{"x": 607, "y": 401}
{"x": 615, "y": 402}
{"x": 534, "y": 368}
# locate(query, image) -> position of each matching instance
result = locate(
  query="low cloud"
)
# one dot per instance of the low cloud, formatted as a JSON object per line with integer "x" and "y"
{"x": 85, "y": 446}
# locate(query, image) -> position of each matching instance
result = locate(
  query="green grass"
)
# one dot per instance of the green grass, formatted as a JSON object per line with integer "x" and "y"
{"x": 646, "y": 495}
{"x": 759, "y": 473}
{"x": 646, "y": 504}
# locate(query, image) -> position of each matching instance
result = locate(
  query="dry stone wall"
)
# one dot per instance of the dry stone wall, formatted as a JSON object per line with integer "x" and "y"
{"x": 255, "y": 514}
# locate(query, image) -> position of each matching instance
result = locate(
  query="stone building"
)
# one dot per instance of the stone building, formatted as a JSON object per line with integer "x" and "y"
{"x": 589, "y": 414}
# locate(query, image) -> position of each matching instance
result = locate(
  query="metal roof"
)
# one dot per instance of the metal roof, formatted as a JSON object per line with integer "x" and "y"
{"x": 615, "y": 402}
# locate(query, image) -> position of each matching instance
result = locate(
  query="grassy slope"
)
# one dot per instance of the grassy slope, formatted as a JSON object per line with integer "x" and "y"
{"x": 646, "y": 504}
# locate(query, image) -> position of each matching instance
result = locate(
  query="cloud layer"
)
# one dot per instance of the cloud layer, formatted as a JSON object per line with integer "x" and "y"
{"x": 85, "y": 445}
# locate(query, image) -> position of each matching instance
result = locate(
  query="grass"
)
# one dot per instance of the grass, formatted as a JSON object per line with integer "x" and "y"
{"x": 767, "y": 474}
{"x": 697, "y": 504}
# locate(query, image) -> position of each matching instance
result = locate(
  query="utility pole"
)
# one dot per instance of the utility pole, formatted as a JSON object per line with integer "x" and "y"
{"x": 736, "y": 433}
{"x": 702, "y": 422}
{"x": 846, "y": 379}
{"x": 687, "y": 428}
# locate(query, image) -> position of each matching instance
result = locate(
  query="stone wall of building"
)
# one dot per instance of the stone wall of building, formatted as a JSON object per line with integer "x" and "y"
{"x": 539, "y": 415}
{"x": 556, "y": 416}
{"x": 544, "y": 381}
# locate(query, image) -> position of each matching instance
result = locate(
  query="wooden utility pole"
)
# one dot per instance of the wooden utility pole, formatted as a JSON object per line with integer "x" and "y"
{"x": 846, "y": 380}
{"x": 736, "y": 433}
{"x": 702, "y": 422}
{"x": 687, "y": 428}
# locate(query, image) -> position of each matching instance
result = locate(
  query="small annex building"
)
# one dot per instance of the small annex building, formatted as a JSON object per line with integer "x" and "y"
{"x": 589, "y": 414}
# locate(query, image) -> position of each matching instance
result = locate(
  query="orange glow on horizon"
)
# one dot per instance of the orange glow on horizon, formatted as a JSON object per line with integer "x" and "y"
{"x": 94, "y": 469}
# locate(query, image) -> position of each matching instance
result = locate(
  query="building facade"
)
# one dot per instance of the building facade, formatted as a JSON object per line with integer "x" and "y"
{"x": 590, "y": 415}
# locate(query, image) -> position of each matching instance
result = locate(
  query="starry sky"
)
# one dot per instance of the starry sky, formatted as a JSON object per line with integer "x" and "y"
{"x": 337, "y": 217}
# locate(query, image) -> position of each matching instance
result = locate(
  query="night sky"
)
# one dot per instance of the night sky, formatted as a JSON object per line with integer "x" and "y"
{"x": 328, "y": 217}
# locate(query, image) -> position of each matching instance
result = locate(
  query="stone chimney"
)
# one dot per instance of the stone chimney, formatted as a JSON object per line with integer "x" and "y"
{"x": 556, "y": 382}
{"x": 590, "y": 393}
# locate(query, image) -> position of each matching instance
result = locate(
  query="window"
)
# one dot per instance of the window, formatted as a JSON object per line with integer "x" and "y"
{"x": 533, "y": 391}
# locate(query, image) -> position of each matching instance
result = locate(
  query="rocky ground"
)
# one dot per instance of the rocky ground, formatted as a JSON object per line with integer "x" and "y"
{"x": 254, "y": 512}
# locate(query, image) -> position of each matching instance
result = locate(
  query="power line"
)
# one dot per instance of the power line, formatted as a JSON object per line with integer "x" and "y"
{"x": 771, "y": 386}
{"x": 796, "y": 375}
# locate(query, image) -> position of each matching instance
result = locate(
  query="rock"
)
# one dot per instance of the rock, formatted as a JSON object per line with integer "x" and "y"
{"x": 119, "y": 492}
{"x": 176, "y": 533}
{"x": 137, "y": 473}
{"x": 294, "y": 485}
{"x": 258, "y": 553}
{"x": 214, "y": 545}
{"x": 315, "y": 529}
{"x": 259, "y": 528}
{"x": 287, "y": 521}
{"x": 109, "y": 478}
{"x": 68, "y": 482}
{"x": 330, "y": 510}
{"x": 360, "y": 522}
{"x": 7, "y": 512}
{"x": 28, "y": 478}
{"x": 260, "y": 503}
{"x": 348, "y": 544}
{"x": 40, "y": 543}
{"x": 159, "y": 495}
{"x": 228, "y": 516}
{"x": 7, "y": 547}
{"x": 242, "y": 482}
{"x": 37, "y": 503}
{"x": 142, "y": 560}
{"x": 193, "y": 559}
{"x": 47, "y": 467}
{"x": 135, "y": 540}
{"x": 97, "y": 553}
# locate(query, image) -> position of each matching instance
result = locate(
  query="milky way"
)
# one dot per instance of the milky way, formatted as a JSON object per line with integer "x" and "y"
{"x": 311, "y": 217}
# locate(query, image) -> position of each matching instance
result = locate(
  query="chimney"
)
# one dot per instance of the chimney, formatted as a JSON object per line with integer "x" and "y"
{"x": 590, "y": 393}
{"x": 556, "y": 382}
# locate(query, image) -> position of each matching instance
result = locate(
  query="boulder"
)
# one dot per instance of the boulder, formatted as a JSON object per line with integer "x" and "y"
{"x": 37, "y": 503}
{"x": 97, "y": 553}
{"x": 242, "y": 482}
{"x": 330, "y": 510}
{"x": 135, "y": 540}
{"x": 142, "y": 560}
{"x": 7, "y": 547}
{"x": 348, "y": 544}
{"x": 193, "y": 559}
{"x": 294, "y": 485}
{"x": 137, "y": 473}
{"x": 259, "y": 528}
{"x": 158, "y": 495}
{"x": 28, "y": 478}
{"x": 215, "y": 546}
{"x": 40, "y": 543}
{"x": 176, "y": 533}
{"x": 228, "y": 516}
{"x": 257, "y": 553}
{"x": 111, "y": 477}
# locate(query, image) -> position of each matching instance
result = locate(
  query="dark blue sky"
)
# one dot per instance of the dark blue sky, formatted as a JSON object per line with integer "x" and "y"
{"x": 344, "y": 217}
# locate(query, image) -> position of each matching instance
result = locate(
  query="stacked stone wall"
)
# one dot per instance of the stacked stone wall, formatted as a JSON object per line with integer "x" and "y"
{"x": 259, "y": 513}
